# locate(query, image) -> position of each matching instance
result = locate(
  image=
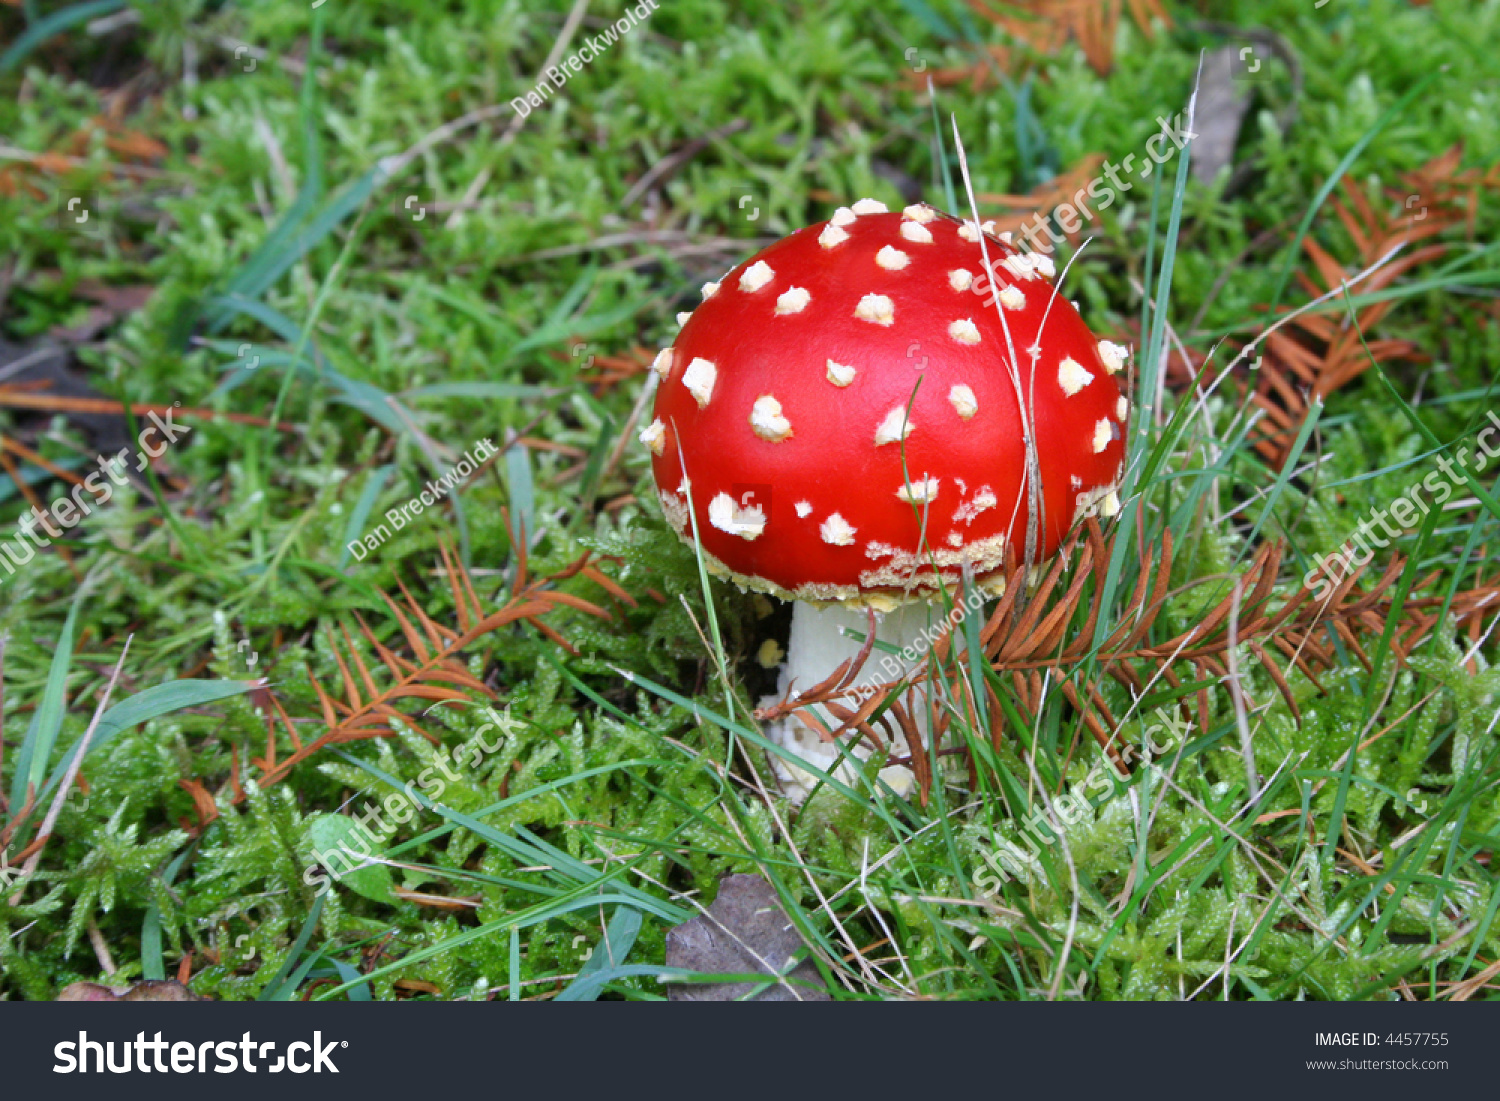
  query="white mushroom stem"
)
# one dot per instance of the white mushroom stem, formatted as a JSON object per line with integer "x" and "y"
{"x": 818, "y": 644}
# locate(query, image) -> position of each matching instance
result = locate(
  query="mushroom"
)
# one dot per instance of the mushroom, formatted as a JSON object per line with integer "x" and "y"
{"x": 842, "y": 419}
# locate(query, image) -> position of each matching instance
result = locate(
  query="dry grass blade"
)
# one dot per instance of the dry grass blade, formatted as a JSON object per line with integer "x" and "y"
{"x": 64, "y": 788}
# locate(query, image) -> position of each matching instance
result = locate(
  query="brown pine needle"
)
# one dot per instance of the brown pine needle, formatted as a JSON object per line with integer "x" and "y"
{"x": 13, "y": 398}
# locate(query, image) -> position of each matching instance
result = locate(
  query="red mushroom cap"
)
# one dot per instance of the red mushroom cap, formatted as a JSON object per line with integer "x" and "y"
{"x": 789, "y": 396}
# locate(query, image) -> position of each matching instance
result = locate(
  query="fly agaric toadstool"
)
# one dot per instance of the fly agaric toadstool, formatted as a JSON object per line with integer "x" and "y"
{"x": 847, "y": 416}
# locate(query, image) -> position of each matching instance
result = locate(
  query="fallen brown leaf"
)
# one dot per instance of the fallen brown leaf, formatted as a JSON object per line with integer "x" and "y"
{"x": 147, "y": 990}
{"x": 745, "y": 931}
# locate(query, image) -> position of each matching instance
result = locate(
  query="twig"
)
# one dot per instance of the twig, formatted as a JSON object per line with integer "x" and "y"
{"x": 664, "y": 169}
{"x": 638, "y": 237}
{"x": 625, "y": 433}
{"x": 1237, "y": 694}
{"x": 12, "y": 153}
{"x": 397, "y": 162}
{"x": 101, "y": 950}
{"x": 16, "y": 399}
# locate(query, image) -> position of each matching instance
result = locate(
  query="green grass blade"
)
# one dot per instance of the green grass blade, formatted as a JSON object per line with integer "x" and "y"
{"x": 283, "y": 986}
{"x": 46, "y": 722}
{"x": 608, "y": 958}
{"x": 54, "y": 24}
{"x": 145, "y": 705}
{"x": 363, "y": 507}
